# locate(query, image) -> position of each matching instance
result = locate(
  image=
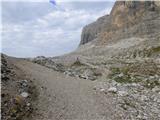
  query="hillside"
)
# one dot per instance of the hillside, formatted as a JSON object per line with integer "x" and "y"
{"x": 121, "y": 52}
{"x": 127, "y": 19}
{"x": 113, "y": 75}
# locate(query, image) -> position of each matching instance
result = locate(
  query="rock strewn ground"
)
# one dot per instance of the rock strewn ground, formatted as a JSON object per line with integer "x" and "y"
{"x": 118, "y": 81}
{"x": 18, "y": 92}
{"x": 130, "y": 86}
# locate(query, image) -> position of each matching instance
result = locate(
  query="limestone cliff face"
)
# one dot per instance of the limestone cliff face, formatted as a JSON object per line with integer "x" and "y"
{"x": 127, "y": 18}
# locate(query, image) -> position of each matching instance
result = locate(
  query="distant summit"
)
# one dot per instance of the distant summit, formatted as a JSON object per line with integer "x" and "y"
{"x": 127, "y": 18}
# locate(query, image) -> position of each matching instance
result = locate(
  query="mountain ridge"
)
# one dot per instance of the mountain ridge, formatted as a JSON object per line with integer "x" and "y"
{"x": 123, "y": 16}
{"x": 114, "y": 73}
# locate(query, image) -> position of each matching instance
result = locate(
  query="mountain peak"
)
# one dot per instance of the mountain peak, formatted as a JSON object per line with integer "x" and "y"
{"x": 124, "y": 15}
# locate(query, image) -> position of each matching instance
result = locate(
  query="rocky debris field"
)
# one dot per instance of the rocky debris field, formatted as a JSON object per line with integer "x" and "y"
{"x": 18, "y": 92}
{"x": 132, "y": 85}
{"x": 133, "y": 101}
{"x": 76, "y": 69}
{"x": 48, "y": 62}
{"x": 134, "y": 88}
{"x": 113, "y": 75}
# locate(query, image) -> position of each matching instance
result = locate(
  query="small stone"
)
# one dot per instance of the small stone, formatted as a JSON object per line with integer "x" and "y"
{"x": 158, "y": 100}
{"x": 24, "y": 94}
{"x": 102, "y": 90}
{"x": 24, "y": 81}
{"x": 114, "y": 83}
{"x": 139, "y": 117}
{"x": 82, "y": 76}
{"x": 155, "y": 99}
{"x": 155, "y": 89}
{"x": 144, "y": 98}
{"x": 121, "y": 75}
{"x": 134, "y": 84}
{"x": 122, "y": 93}
{"x": 152, "y": 77}
{"x": 156, "y": 76}
{"x": 119, "y": 84}
{"x": 112, "y": 89}
{"x": 28, "y": 104}
{"x": 25, "y": 84}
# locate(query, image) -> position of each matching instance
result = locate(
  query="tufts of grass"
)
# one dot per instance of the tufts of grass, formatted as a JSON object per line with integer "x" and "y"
{"x": 151, "y": 84}
{"x": 153, "y": 50}
{"x": 122, "y": 75}
{"x": 77, "y": 63}
{"x": 156, "y": 49}
{"x": 128, "y": 103}
{"x": 115, "y": 71}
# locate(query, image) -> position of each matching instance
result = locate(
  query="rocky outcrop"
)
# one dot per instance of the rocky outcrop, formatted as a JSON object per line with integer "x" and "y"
{"x": 127, "y": 18}
{"x": 18, "y": 93}
{"x": 126, "y": 70}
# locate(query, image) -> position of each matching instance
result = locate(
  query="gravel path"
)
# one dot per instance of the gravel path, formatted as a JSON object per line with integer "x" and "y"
{"x": 61, "y": 97}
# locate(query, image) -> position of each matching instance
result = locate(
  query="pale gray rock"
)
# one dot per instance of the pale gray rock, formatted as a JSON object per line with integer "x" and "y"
{"x": 24, "y": 94}
{"x": 125, "y": 20}
{"x": 112, "y": 89}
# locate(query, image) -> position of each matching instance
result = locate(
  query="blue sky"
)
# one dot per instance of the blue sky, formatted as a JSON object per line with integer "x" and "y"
{"x": 32, "y": 28}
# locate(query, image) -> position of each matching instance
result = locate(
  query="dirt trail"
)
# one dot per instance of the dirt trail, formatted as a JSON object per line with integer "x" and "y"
{"x": 61, "y": 97}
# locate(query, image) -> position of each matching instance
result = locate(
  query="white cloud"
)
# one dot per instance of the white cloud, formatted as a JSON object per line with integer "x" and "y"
{"x": 84, "y": 0}
{"x": 56, "y": 33}
{"x": 58, "y": 1}
{"x": 26, "y": 0}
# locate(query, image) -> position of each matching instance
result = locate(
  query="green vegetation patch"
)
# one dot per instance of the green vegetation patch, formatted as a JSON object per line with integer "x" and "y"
{"x": 127, "y": 74}
{"x": 77, "y": 63}
{"x": 122, "y": 75}
{"x": 156, "y": 49}
{"x": 151, "y": 83}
